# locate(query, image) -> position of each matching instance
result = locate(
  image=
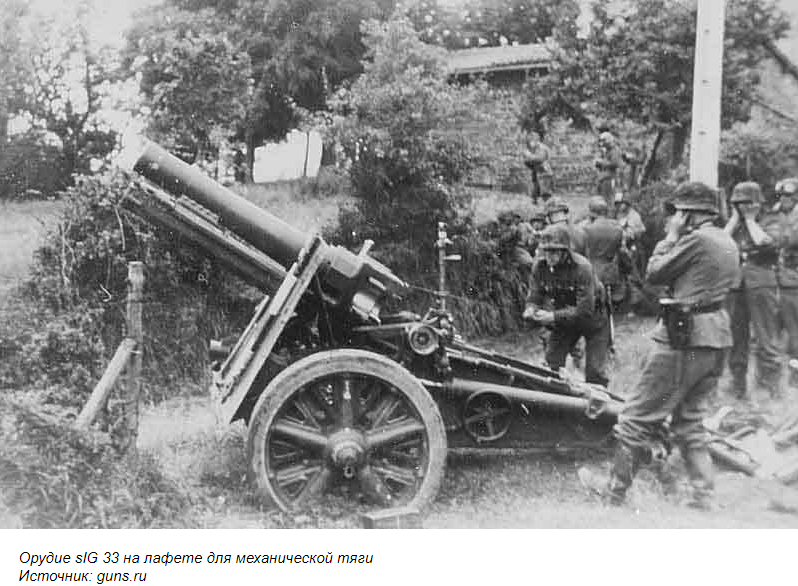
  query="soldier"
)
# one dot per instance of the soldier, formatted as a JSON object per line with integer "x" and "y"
{"x": 566, "y": 296}
{"x": 538, "y": 222}
{"x": 633, "y": 231}
{"x": 604, "y": 243}
{"x": 515, "y": 238}
{"x": 608, "y": 162}
{"x": 556, "y": 211}
{"x": 699, "y": 264}
{"x": 536, "y": 159}
{"x": 787, "y": 197}
{"x": 753, "y": 300}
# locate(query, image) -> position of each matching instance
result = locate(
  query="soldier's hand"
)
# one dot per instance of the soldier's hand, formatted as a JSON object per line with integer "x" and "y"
{"x": 675, "y": 225}
{"x": 544, "y": 317}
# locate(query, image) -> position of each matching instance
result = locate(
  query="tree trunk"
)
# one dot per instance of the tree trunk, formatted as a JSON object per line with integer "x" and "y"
{"x": 651, "y": 161}
{"x": 680, "y": 134}
{"x": 249, "y": 138}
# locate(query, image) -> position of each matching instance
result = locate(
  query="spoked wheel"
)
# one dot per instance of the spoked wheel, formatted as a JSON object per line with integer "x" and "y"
{"x": 346, "y": 423}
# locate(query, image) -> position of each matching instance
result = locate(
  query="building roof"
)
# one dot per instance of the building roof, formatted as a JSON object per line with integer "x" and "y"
{"x": 508, "y": 57}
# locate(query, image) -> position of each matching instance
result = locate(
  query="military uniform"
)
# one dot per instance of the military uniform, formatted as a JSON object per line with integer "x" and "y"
{"x": 604, "y": 242}
{"x": 608, "y": 164}
{"x": 577, "y": 298}
{"x": 699, "y": 267}
{"x": 753, "y": 306}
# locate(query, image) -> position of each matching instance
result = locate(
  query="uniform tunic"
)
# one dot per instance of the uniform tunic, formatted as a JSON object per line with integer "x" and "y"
{"x": 604, "y": 243}
{"x": 699, "y": 269}
{"x": 573, "y": 292}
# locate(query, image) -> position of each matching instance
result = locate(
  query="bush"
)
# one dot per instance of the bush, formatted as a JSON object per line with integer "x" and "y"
{"x": 79, "y": 287}
{"x": 55, "y": 477}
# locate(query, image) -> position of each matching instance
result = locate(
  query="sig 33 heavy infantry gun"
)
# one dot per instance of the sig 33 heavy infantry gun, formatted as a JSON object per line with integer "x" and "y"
{"x": 342, "y": 398}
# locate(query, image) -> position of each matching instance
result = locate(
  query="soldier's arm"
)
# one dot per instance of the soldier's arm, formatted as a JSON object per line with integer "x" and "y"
{"x": 585, "y": 300}
{"x": 670, "y": 259}
{"x": 534, "y": 298}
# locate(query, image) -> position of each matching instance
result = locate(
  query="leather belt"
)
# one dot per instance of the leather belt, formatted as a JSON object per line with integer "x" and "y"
{"x": 709, "y": 308}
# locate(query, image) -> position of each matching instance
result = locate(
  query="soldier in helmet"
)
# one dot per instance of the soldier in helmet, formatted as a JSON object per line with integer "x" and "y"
{"x": 556, "y": 211}
{"x": 787, "y": 196}
{"x": 566, "y": 296}
{"x": 604, "y": 243}
{"x": 608, "y": 163}
{"x": 753, "y": 300}
{"x": 698, "y": 262}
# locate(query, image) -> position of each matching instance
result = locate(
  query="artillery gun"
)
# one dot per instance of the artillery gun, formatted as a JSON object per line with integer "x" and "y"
{"x": 340, "y": 397}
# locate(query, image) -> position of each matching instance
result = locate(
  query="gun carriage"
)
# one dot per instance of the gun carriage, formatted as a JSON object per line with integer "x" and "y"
{"x": 340, "y": 397}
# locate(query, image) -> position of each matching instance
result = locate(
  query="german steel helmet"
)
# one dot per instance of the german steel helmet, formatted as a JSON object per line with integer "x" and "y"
{"x": 694, "y": 196}
{"x": 555, "y": 204}
{"x": 597, "y": 205}
{"x": 746, "y": 192}
{"x": 787, "y": 186}
{"x": 555, "y": 237}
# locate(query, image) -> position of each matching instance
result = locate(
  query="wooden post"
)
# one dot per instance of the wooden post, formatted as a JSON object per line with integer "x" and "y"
{"x": 135, "y": 331}
{"x": 100, "y": 394}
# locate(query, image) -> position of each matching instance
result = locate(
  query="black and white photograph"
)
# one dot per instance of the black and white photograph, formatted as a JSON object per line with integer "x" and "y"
{"x": 397, "y": 264}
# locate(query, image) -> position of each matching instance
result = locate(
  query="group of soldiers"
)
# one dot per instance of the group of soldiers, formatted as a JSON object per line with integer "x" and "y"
{"x": 724, "y": 282}
{"x": 601, "y": 247}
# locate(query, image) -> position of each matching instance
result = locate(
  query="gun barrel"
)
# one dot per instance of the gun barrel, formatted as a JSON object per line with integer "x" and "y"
{"x": 267, "y": 232}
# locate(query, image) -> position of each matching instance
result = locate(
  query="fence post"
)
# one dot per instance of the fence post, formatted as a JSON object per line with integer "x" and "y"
{"x": 130, "y": 403}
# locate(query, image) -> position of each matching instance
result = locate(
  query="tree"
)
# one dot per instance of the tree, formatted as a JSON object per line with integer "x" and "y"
{"x": 298, "y": 51}
{"x": 60, "y": 82}
{"x": 637, "y": 64}
{"x": 196, "y": 80}
{"x": 491, "y": 23}
{"x": 401, "y": 125}
{"x": 11, "y": 59}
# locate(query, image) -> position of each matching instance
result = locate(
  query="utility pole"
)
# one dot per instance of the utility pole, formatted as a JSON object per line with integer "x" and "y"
{"x": 707, "y": 82}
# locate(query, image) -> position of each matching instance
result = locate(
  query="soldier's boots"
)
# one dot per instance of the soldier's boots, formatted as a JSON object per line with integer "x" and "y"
{"x": 625, "y": 464}
{"x": 701, "y": 472}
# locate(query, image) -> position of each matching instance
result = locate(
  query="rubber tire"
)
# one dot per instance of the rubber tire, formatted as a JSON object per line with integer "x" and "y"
{"x": 322, "y": 364}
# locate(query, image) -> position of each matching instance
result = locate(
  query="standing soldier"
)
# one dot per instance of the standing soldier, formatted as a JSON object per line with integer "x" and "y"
{"x": 566, "y": 296}
{"x": 608, "y": 162}
{"x": 536, "y": 159}
{"x": 699, "y": 263}
{"x": 753, "y": 300}
{"x": 556, "y": 211}
{"x": 604, "y": 242}
{"x": 633, "y": 231}
{"x": 787, "y": 197}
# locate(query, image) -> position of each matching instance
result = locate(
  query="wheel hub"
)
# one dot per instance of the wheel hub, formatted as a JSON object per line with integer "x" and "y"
{"x": 347, "y": 451}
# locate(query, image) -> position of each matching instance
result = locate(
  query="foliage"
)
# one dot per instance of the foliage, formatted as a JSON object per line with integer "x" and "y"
{"x": 54, "y": 477}
{"x": 30, "y": 167}
{"x": 399, "y": 125}
{"x": 636, "y": 63}
{"x": 56, "y": 83}
{"x": 196, "y": 78}
{"x": 79, "y": 283}
{"x": 763, "y": 151}
{"x": 477, "y": 23}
